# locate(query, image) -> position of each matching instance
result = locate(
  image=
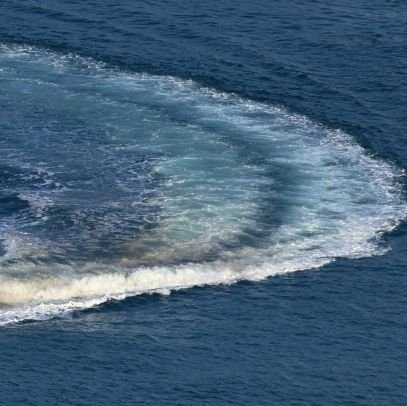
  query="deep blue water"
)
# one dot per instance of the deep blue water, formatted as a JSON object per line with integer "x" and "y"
{"x": 207, "y": 150}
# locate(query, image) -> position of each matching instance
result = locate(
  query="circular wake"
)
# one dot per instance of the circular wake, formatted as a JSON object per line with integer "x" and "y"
{"x": 116, "y": 184}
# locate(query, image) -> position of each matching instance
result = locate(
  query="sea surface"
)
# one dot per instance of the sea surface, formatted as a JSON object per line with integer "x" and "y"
{"x": 203, "y": 203}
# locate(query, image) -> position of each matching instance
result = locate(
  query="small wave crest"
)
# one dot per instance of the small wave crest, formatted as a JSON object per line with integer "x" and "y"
{"x": 42, "y": 298}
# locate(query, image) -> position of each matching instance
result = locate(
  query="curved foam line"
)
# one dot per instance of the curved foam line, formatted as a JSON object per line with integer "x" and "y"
{"x": 338, "y": 204}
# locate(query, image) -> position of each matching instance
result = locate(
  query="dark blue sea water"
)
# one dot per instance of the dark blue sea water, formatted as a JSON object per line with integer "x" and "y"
{"x": 203, "y": 202}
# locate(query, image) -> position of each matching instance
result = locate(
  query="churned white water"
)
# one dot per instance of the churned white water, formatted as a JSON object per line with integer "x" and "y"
{"x": 126, "y": 183}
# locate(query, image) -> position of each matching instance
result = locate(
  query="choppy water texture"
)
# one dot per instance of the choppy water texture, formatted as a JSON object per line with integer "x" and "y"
{"x": 156, "y": 148}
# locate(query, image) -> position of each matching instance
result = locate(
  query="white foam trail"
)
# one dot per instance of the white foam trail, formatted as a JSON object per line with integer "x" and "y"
{"x": 339, "y": 204}
{"x": 41, "y": 299}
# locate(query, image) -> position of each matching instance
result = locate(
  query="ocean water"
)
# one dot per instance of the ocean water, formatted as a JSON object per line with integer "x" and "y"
{"x": 203, "y": 203}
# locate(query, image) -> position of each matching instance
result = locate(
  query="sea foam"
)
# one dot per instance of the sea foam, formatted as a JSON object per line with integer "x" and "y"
{"x": 231, "y": 189}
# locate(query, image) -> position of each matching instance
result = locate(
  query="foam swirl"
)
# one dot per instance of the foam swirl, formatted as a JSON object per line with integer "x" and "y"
{"x": 134, "y": 183}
